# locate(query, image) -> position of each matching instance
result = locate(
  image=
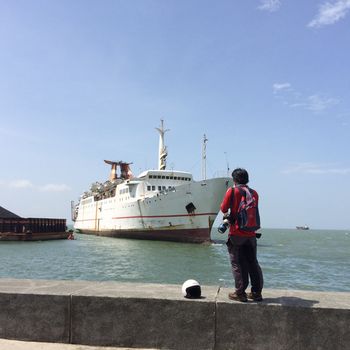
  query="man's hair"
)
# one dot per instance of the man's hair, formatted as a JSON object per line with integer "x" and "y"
{"x": 240, "y": 176}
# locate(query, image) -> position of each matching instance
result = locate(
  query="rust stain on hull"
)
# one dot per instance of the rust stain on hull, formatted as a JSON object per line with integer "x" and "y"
{"x": 166, "y": 234}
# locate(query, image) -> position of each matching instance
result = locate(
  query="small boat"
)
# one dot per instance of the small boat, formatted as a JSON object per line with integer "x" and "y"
{"x": 305, "y": 227}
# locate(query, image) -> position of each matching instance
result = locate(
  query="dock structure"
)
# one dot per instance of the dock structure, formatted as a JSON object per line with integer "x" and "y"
{"x": 15, "y": 228}
{"x": 135, "y": 315}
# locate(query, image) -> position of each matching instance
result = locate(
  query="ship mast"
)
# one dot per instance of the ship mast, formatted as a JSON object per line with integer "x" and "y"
{"x": 204, "y": 158}
{"x": 162, "y": 149}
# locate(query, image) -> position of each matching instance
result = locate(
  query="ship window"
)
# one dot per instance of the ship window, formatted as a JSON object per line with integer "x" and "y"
{"x": 171, "y": 177}
{"x": 153, "y": 188}
{"x": 175, "y": 177}
{"x": 159, "y": 188}
{"x": 163, "y": 187}
{"x": 167, "y": 177}
{"x": 148, "y": 188}
{"x": 182, "y": 178}
{"x": 151, "y": 176}
{"x": 163, "y": 177}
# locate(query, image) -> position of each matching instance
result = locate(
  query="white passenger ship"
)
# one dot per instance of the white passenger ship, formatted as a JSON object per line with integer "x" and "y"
{"x": 158, "y": 204}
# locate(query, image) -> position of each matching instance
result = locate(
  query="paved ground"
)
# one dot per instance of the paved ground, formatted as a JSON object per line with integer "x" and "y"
{"x": 27, "y": 345}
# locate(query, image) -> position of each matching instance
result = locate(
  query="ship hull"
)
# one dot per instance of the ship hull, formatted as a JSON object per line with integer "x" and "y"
{"x": 36, "y": 236}
{"x": 200, "y": 235}
{"x": 184, "y": 215}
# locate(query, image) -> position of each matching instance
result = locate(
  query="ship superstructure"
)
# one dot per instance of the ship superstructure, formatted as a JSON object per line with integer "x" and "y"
{"x": 157, "y": 204}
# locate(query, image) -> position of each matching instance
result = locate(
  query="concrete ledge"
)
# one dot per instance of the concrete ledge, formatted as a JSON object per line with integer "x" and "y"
{"x": 157, "y": 316}
{"x": 285, "y": 320}
{"x": 34, "y": 317}
{"x": 6, "y": 344}
{"x": 139, "y": 315}
{"x": 36, "y": 310}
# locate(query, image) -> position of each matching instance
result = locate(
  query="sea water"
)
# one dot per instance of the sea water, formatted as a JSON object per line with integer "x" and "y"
{"x": 290, "y": 259}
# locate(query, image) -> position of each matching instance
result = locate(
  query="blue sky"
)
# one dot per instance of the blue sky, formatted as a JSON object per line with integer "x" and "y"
{"x": 266, "y": 81}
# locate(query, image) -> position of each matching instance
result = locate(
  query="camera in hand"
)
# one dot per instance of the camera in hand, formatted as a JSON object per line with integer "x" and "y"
{"x": 225, "y": 224}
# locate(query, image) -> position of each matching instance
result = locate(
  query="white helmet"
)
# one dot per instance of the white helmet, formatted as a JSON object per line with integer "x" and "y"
{"x": 191, "y": 289}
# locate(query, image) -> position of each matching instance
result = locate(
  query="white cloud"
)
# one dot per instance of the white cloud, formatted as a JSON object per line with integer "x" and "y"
{"x": 330, "y": 13}
{"x": 270, "y": 5}
{"x": 54, "y": 188}
{"x": 20, "y": 184}
{"x": 315, "y": 168}
{"x": 343, "y": 118}
{"x": 294, "y": 99}
{"x": 317, "y": 103}
{"x": 280, "y": 86}
{"x": 26, "y": 184}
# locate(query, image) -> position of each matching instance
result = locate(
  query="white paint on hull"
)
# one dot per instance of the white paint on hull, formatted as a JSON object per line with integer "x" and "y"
{"x": 164, "y": 210}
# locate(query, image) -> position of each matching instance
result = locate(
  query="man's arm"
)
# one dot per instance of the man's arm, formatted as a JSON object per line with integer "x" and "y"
{"x": 225, "y": 205}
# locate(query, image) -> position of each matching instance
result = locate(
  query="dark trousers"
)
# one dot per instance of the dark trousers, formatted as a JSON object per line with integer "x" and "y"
{"x": 242, "y": 251}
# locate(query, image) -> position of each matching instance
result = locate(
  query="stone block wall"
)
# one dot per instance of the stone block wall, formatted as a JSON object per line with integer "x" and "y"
{"x": 157, "y": 316}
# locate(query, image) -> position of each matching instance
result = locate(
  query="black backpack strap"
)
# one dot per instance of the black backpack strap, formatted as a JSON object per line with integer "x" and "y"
{"x": 250, "y": 190}
{"x": 232, "y": 201}
{"x": 242, "y": 192}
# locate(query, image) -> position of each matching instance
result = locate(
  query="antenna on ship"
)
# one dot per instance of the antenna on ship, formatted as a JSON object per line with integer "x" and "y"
{"x": 162, "y": 149}
{"x": 204, "y": 158}
{"x": 227, "y": 164}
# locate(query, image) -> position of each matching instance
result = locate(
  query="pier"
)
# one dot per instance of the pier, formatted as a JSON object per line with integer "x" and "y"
{"x": 159, "y": 317}
{"x": 16, "y": 228}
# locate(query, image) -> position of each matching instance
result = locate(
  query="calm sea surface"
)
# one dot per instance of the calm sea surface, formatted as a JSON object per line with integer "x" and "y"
{"x": 290, "y": 259}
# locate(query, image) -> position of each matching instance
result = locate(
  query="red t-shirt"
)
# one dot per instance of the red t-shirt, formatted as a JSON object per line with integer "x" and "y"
{"x": 225, "y": 206}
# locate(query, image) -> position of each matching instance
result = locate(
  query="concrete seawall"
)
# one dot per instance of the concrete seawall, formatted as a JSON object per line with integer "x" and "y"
{"x": 157, "y": 316}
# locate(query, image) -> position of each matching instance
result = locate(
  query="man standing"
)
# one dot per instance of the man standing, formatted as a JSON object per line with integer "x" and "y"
{"x": 241, "y": 241}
